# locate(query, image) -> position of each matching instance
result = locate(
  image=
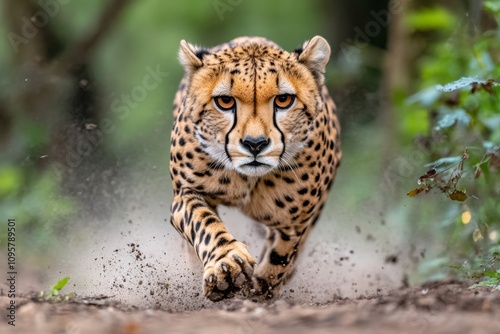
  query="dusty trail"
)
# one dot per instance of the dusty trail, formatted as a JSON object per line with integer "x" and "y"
{"x": 440, "y": 307}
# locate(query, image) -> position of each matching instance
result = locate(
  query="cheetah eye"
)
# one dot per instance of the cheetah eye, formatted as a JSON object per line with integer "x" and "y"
{"x": 284, "y": 101}
{"x": 225, "y": 103}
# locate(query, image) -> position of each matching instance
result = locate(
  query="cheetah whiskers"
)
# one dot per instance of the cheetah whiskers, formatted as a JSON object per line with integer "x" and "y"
{"x": 288, "y": 157}
{"x": 222, "y": 162}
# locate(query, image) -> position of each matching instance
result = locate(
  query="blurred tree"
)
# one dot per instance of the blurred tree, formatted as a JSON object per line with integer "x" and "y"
{"x": 459, "y": 137}
{"x": 51, "y": 83}
{"x": 47, "y": 110}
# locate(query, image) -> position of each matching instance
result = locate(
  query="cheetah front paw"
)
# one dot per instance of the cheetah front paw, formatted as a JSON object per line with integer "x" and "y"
{"x": 227, "y": 274}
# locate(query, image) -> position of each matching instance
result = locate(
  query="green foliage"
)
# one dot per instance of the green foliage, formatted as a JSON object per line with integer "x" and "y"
{"x": 492, "y": 280}
{"x": 10, "y": 178}
{"x": 444, "y": 177}
{"x": 430, "y": 19}
{"x": 41, "y": 202}
{"x": 460, "y": 93}
{"x": 494, "y": 8}
{"x": 54, "y": 295}
{"x": 486, "y": 272}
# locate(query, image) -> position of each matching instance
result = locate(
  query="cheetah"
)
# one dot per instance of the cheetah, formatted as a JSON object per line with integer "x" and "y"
{"x": 254, "y": 128}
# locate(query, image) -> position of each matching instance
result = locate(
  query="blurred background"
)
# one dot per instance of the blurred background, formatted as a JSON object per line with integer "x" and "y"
{"x": 86, "y": 89}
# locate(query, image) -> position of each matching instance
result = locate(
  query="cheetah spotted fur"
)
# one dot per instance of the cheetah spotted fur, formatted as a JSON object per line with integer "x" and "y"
{"x": 254, "y": 128}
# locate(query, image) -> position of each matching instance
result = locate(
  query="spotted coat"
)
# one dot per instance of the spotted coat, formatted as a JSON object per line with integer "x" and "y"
{"x": 255, "y": 128}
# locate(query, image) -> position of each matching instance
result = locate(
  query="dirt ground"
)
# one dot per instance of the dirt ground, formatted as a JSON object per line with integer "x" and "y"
{"x": 438, "y": 307}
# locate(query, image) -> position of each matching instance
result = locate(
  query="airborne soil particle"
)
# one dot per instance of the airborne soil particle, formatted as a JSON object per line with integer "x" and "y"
{"x": 437, "y": 307}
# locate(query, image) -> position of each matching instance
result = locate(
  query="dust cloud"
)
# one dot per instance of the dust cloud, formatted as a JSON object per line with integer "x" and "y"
{"x": 135, "y": 257}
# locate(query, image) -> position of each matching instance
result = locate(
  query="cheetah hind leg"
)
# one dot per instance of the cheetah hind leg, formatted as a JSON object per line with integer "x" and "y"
{"x": 277, "y": 263}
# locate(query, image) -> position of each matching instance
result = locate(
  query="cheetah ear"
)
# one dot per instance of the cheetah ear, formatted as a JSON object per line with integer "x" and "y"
{"x": 191, "y": 56}
{"x": 315, "y": 54}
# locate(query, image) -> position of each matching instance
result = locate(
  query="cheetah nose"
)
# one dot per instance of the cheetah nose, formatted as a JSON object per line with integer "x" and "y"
{"x": 255, "y": 145}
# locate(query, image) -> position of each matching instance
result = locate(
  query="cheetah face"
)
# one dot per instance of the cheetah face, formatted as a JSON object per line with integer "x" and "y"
{"x": 252, "y": 105}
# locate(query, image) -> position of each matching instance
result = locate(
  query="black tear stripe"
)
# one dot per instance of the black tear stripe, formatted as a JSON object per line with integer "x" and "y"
{"x": 275, "y": 123}
{"x": 228, "y": 133}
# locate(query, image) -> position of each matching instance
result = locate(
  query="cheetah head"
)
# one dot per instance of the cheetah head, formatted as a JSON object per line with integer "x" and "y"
{"x": 252, "y": 103}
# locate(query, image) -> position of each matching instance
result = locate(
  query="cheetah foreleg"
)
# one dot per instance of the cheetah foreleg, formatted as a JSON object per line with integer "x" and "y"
{"x": 226, "y": 261}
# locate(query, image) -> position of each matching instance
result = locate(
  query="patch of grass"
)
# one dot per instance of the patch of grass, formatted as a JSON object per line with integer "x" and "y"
{"x": 54, "y": 294}
{"x": 489, "y": 276}
{"x": 492, "y": 280}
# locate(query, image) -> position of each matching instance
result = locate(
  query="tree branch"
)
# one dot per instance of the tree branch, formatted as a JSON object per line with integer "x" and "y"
{"x": 396, "y": 75}
{"x": 79, "y": 51}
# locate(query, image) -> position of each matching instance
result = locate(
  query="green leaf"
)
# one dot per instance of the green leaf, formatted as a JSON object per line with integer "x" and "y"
{"x": 59, "y": 285}
{"x": 452, "y": 117}
{"x": 414, "y": 192}
{"x": 492, "y": 273}
{"x": 492, "y": 282}
{"x": 483, "y": 62}
{"x": 426, "y": 97}
{"x": 431, "y": 19}
{"x": 10, "y": 180}
{"x": 492, "y": 123}
{"x": 458, "y": 195}
{"x": 492, "y": 7}
{"x": 445, "y": 161}
{"x": 458, "y": 268}
{"x": 464, "y": 82}
{"x": 416, "y": 122}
